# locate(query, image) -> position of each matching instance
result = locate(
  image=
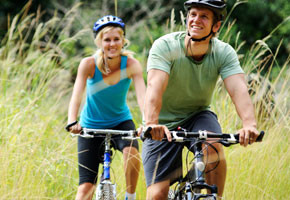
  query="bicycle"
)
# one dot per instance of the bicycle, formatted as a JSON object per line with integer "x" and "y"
{"x": 191, "y": 185}
{"x": 106, "y": 189}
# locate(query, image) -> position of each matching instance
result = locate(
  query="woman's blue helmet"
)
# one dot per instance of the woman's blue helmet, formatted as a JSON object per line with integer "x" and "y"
{"x": 106, "y": 21}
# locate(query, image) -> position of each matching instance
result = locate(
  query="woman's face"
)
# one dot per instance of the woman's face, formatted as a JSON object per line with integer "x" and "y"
{"x": 112, "y": 43}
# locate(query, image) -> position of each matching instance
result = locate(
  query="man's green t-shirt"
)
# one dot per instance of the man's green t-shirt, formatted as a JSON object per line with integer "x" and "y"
{"x": 191, "y": 83}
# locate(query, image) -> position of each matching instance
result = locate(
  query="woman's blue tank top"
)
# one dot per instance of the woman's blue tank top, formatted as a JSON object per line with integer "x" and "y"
{"x": 105, "y": 105}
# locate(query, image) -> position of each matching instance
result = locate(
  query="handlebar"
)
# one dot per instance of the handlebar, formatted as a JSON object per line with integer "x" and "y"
{"x": 92, "y": 133}
{"x": 177, "y": 136}
{"x": 183, "y": 135}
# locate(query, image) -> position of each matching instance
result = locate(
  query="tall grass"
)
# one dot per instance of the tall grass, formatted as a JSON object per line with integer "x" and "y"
{"x": 260, "y": 171}
{"x": 36, "y": 156}
{"x": 38, "y": 159}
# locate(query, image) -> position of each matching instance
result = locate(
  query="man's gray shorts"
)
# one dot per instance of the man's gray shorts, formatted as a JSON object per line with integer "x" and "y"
{"x": 163, "y": 160}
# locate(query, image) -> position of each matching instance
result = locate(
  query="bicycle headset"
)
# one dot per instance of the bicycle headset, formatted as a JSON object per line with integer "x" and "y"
{"x": 218, "y": 7}
{"x": 108, "y": 20}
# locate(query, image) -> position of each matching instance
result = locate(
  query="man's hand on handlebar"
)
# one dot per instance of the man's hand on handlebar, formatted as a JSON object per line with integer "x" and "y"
{"x": 248, "y": 135}
{"x": 157, "y": 132}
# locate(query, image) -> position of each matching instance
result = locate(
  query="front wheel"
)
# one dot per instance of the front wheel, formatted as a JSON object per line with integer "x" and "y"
{"x": 170, "y": 195}
{"x": 176, "y": 196}
{"x": 106, "y": 191}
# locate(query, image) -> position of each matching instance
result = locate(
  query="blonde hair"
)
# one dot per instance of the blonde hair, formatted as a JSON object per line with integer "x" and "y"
{"x": 101, "y": 62}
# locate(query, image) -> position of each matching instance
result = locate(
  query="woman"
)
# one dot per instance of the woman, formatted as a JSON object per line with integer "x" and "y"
{"x": 106, "y": 76}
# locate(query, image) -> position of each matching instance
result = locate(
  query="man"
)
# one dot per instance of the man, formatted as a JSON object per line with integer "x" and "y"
{"x": 183, "y": 68}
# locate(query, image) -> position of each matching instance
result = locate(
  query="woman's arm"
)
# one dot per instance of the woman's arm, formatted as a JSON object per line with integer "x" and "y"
{"x": 85, "y": 71}
{"x": 139, "y": 84}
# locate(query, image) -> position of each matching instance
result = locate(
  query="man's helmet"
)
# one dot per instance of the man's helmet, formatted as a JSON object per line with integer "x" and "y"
{"x": 108, "y": 20}
{"x": 217, "y": 6}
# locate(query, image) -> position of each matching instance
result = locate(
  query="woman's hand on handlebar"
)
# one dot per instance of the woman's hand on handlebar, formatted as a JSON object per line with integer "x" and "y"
{"x": 76, "y": 129}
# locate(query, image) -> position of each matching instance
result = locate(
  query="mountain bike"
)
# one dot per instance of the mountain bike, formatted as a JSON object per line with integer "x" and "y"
{"x": 106, "y": 189}
{"x": 193, "y": 184}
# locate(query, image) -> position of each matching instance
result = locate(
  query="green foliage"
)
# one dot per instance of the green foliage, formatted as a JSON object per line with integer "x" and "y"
{"x": 256, "y": 19}
{"x": 146, "y": 20}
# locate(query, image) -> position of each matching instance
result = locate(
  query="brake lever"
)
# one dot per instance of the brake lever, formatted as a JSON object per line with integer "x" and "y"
{"x": 225, "y": 143}
{"x": 77, "y": 134}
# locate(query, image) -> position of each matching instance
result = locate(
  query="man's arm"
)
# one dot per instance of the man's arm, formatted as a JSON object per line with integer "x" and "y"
{"x": 157, "y": 81}
{"x": 238, "y": 91}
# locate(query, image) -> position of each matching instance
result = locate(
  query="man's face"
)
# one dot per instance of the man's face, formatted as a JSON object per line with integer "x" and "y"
{"x": 200, "y": 21}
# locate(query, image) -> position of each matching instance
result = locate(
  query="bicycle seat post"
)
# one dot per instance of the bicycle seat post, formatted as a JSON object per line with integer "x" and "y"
{"x": 107, "y": 157}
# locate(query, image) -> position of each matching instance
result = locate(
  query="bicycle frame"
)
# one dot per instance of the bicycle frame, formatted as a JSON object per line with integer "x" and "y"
{"x": 194, "y": 186}
{"x": 191, "y": 186}
{"x": 106, "y": 190}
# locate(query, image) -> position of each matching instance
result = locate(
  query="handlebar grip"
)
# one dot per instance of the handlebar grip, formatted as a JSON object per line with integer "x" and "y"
{"x": 146, "y": 134}
{"x": 260, "y": 137}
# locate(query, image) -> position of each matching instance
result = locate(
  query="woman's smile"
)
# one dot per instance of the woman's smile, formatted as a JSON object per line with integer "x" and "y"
{"x": 112, "y": 43}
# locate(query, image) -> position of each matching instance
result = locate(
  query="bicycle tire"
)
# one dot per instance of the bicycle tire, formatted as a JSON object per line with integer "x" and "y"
{"x": 106, "y": 191}
{"x": 170, "y": 194}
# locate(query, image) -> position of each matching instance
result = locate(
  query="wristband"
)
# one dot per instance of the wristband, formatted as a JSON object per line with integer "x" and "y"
{"x": 67, "y": 128}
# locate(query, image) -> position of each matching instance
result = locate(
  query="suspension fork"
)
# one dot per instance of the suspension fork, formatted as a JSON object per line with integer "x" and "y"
{"x": 199, "y": 164}
{"x": 199, "y": 172}
{"x": 107, "y": 157}
{"x": 199, "y": 168}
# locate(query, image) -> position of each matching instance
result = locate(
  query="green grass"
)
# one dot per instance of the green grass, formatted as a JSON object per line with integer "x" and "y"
{"x": 38, "y": 159}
